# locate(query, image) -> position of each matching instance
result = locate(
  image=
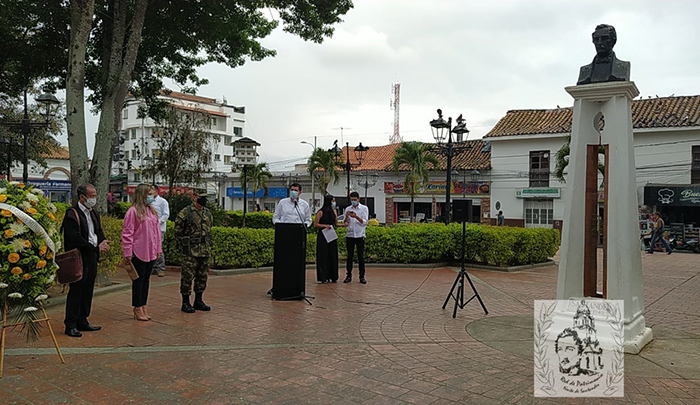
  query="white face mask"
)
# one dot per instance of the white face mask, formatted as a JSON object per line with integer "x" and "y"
{"x": 90, "y": 202}
{"x": 333, "y": 205}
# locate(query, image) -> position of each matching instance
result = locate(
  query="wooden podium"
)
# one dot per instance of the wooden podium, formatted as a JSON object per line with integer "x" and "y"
{"x": 289, "y": 269}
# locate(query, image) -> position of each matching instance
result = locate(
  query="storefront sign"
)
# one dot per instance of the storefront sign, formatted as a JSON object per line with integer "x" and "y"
{"x": 51, "y": 185}
{"x": 272, "y": 192}
{"x": 438, "y": 187}
{"x": 678, "y": 196}
{"x": 538, "y": 193}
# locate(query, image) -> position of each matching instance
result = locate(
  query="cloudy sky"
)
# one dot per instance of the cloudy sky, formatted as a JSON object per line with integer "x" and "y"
{"x": 472, "y": 57}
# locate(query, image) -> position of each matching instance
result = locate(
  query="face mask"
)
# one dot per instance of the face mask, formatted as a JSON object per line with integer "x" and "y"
{"x": 150, "y": 199}
{"x": 294, "y": 194}
{"x": 202, "y": 201}
{"x": 90, "y": 202}
{"x": 333, "y": 205}
{"x": 354, "y": 203}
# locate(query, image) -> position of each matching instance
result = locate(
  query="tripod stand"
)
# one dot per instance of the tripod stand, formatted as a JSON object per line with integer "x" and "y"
{"x": 301, "y": 296}
{"x": 459, "y": 283}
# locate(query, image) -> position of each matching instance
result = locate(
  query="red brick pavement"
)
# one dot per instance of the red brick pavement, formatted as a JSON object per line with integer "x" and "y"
{"x": 385, "y": 342}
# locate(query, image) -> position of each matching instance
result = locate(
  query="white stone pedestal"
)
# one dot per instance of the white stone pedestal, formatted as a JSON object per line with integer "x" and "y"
{"x": 624, "y": 264}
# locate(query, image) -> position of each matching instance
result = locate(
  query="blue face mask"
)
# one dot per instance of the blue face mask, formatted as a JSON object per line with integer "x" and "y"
{"x": 294, "y": 194}
{"x": 354, "y": 203}
{"x": 150, "y": 199}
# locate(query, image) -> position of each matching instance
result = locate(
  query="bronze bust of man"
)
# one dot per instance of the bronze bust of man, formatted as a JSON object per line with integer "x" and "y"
{"x": 605, "y": 67}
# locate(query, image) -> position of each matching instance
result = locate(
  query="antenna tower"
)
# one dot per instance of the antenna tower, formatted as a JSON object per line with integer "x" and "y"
{"x": 395, "y": 137}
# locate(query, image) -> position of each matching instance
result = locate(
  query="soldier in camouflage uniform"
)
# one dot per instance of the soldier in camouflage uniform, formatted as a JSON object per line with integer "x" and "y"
{"x": 193, "y": 232}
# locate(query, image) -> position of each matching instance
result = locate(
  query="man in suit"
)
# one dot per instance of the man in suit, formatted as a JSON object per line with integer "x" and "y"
{"x": 605, "y": 66}
{"x": 84, "y": 233}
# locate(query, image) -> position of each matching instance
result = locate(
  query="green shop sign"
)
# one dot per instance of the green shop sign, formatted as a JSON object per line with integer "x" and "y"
{"x": 538, "y": 193}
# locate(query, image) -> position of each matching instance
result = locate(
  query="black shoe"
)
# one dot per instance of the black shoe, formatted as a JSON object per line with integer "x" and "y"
{"x": 347, "y": 279}
{"x": 186, "y": 306}
{"x": 73, "y": 332}
{"x": 362, "y": 280}
{"x": 669, "y": 252}
{"x": 199, "y": 304}
{"x": 269, "y": 292}
{"x": 89, "y": 328}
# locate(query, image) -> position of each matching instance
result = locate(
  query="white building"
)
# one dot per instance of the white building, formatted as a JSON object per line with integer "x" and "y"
{"x": 54, "y": 179}
{"x": 667, "y": 153}
{"x": 139, "y": 135}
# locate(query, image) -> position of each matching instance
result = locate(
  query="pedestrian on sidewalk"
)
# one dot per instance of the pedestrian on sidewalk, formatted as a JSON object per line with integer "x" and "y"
{"x": 163, "y": 209}
{"x": 658, "y": 234}
{"x": 82, "y": 230}
{"x": 326, "y": 252}
{"x": 141, "y": 244}
{"x": 356, "y": 217}
{"x": 501, "y": 220}
{"x": 193, "y": 232}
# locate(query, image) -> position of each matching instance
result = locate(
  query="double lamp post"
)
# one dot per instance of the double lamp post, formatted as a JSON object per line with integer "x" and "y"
{"x": 25, "y": 126}
{"x": 443, "y": 130}
{"x": 347, "y": 166}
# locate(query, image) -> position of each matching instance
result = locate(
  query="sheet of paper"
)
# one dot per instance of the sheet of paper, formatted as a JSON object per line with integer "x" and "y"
{"x": 329, "y": 234}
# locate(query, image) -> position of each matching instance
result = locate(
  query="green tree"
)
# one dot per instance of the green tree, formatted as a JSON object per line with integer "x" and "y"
{"x": 185, "y": 146}
{"x": 257, "y": 177}
{"x": 414, "y": 158}
{"x": 562, "y": 160}
{"x": 324, "y": 161}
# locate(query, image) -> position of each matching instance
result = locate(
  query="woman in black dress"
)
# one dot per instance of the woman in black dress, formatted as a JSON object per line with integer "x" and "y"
{"x": 326, "y": 253}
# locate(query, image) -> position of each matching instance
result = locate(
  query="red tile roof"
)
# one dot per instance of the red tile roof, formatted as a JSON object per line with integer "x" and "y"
{"x": 189, "y": 97}
{"x": 663, "y": 112}
{"x": 201, "y": 110}
{"x": 473, "y": 155}
{"x": 57, "y": 152}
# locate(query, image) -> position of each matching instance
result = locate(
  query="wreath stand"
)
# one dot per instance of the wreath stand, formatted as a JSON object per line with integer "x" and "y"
{"x": 5, "y": 326}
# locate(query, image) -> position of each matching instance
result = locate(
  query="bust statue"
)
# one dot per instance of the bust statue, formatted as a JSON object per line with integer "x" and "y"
{"x": 605, "y": 66}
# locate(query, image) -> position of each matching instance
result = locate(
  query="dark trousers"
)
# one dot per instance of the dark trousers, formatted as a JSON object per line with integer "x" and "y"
{"x": 351, "y": 243}
{"x": 326, "y": 259}
{"x": 658, "y": 237}
{"x": 140, "y": 286}
{"x": 79, "y": 299}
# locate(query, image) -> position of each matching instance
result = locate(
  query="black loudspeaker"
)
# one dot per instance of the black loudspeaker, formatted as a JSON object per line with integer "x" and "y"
{"x": 462, "y": 210}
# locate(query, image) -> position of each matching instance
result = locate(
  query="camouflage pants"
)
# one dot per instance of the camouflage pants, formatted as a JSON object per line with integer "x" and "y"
{"x": 196, "y": 268}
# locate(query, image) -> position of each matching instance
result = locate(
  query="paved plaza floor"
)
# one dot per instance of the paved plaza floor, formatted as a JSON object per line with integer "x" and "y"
{"x": 386, "y": 342}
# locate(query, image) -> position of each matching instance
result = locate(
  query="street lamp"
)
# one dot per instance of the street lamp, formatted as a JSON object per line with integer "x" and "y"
{"x": 443, "y": 129}
{"x": 366, "y": 180}
{"x": 313, "y": 184}
{"x": 25, "y": 126}
{"x": 347, "y": 166}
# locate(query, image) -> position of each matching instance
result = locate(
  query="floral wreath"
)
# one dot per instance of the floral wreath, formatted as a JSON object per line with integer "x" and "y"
{"x": 29, "y": 239}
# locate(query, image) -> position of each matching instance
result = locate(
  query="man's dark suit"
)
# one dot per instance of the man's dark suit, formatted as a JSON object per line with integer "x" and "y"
{"x": 79, "y": 300}
{"x": 617, "y": 70}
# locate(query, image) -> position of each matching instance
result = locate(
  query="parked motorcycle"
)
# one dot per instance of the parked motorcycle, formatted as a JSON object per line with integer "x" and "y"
{"x": 677, "y": 243}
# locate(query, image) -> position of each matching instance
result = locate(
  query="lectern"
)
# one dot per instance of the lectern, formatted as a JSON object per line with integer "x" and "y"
{"x": 289, "y": 269}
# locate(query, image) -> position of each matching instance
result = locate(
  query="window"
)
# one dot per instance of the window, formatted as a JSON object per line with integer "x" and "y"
{"x": 695, "y": 168}
{"x": 217, "y": 157}
{"x": 269, "y": 206}
{"x": 539, "y": 213}
{"x": 237, "y": 131}
{"x": 212, "y": 124}
{"x": 539, "y": 168}
{"x": 125, "y": 114}
{"x": 227, "y": 159}
{"x": 227, "y": 140}
{"x": 126, "y": 155}
{"x": 137, "y": 176}
{"x": 133, "y": 133}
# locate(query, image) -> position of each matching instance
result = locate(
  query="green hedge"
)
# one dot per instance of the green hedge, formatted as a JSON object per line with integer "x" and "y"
{"x": 254, "y": 220}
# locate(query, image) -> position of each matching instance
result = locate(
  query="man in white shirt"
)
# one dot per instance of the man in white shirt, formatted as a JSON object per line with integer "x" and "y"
{"x": 356, "y": 217}
{"x": 293, "y": 209}
{"x": 163, "y": 210}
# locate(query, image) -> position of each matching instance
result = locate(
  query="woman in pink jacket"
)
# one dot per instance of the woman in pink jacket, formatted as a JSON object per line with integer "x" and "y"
{"x": 142, "y": 245}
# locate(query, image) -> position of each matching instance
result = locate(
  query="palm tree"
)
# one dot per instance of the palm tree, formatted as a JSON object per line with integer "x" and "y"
{"x": 414, "y": 157}
{"x": 324, "y": 161}
{"x": 257, "y": 177}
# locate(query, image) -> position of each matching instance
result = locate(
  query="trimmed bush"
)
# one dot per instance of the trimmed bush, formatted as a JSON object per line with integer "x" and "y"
{"x": 253, "y": 220}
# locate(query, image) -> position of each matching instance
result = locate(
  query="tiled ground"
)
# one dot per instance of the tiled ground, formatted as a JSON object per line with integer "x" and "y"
{"x": 385, "y": 342}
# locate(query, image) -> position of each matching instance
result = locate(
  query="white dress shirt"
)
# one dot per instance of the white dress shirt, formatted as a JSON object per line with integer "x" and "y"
{"x": 356, "y": 229}
{"x": 163, "y": 209}
{"x": 92, "y": 236}
{"x": 288, "y": 212}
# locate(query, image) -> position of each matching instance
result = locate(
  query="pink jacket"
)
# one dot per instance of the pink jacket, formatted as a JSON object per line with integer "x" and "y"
{"x": 141, "y": 238}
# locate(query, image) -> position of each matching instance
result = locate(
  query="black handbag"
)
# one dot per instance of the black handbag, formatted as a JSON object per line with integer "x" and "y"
{"x": 70, "y": 263}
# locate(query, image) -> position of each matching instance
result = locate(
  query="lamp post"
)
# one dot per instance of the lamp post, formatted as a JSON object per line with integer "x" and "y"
{"x": 443, "y": 129}
{"x": 347, "y": 166}
{"x": 313, "y": 183}
{"x": 366, "y": 180}
{"x": 244, "y": 150}
{"x": 25, "y": 126}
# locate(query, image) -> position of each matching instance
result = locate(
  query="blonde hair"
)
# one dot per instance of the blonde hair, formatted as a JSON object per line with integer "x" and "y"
{"x": 142, "y": 191}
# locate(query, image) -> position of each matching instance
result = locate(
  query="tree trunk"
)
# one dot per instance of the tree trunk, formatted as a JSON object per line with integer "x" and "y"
{"x": 81, "y": 12}
{"x": 411, "y": 209}
{"x": 120, "y": 68}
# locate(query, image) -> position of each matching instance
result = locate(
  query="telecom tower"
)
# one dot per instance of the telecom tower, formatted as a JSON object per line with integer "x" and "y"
{"x": 395, "y": 137}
